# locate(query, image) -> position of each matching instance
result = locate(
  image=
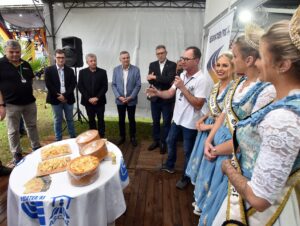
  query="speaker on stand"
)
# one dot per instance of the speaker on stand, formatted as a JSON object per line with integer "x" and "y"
{"x": 72, "y": 47}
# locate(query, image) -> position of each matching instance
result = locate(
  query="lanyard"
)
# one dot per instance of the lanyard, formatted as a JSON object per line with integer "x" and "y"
{"x": 181, "y": 94}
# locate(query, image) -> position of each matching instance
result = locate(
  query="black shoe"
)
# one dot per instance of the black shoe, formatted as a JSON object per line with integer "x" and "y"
{"x": 34, "y": 149}
{"x": 167, "y": 169}
{"x": 154, "y": 145}
{"x": 163, "y": 148}
{"x": 121, "y": 141}
{"x": 133, "y": 142}
{"x": 17, "y": 158}
{"x": 4, "y": 171}
{"x": 183, "y": 182}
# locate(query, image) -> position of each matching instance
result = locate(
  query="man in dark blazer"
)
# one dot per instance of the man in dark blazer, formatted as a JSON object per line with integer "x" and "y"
{"x": 93, "y": 85}
{"x": 60, "y": 82}
{"x": 161, "y": 75}
{"x": 126, "y": 84}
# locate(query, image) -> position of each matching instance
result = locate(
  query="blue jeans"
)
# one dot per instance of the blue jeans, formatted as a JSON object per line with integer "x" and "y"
{"x": 58, "y": 117}
{"x": 189, "y": 137}
{"x": 166, "y": 110}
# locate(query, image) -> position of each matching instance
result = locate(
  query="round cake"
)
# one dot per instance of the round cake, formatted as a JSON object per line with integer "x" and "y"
{"x": 87, "y": 137}
{"x": 83, "y": 170}
{"x": 96, "y": 148}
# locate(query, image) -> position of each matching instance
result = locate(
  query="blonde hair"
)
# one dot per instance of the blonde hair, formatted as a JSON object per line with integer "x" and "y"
{"x": 280, "y": 44}
{"x": 245, "y": 48}
{"x": 229, "y": 56}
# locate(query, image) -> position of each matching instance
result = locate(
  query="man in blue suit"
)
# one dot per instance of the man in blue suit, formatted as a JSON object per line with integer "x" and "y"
{"x": 126, "y": 84}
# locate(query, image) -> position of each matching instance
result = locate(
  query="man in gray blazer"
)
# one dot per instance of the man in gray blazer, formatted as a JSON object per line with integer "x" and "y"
{"x": 126, "y": 84}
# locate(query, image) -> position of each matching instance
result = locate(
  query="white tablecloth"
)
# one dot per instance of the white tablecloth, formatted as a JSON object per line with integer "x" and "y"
{"x": 64, "y": 204}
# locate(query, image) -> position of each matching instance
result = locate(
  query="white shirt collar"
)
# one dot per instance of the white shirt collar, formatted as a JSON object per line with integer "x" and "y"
{"x": 59, "y": 67}
{"x": 127, "y": 69}
{"x": 163, "y": 62}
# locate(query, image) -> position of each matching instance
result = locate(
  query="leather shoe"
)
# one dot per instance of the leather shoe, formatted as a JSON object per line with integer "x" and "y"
{"x": 133, "y": 142}
{"x": 121, "y": 141}
{"x": 183, "y": 182}
{"x": 17, "y": 158}
{"x": 163, "y": 148}
{"x": 4, "y": 171}
{"x": 154, "y": 145}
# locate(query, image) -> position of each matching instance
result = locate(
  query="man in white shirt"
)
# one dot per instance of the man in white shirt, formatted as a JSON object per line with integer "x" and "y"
{"x": 191, "y": 89}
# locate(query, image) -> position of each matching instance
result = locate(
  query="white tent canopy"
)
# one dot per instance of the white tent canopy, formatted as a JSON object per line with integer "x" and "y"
{"x": 106, "y": 32}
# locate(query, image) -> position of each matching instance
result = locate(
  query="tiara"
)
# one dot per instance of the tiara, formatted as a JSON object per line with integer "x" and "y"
{"x": 250, "y": 30}
{"x": 294, "y": 33}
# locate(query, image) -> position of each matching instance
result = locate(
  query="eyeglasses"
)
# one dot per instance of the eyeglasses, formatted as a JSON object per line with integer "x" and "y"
{"x": 161, "y": 53}
{"x": 60, "y": 57}
{"x": 185, "y": 59}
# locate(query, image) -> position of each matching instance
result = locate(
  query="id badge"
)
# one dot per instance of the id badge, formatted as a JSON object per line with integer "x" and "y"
{"x": 23, "y": 80}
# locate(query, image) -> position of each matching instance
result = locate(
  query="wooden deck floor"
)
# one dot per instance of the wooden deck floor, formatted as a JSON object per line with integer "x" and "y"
{"x": 151, "y": 197}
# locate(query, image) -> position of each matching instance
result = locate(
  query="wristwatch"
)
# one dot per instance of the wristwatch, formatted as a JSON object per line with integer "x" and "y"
{"x": 3, "y": 105}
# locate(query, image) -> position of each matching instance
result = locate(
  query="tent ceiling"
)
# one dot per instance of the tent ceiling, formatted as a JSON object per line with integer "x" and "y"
{"x": 23, "y": 17}
{"x": 129, "y": 4}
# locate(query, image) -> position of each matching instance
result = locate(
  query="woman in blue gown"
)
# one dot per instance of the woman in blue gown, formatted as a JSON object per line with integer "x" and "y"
{"x": 246, "y": 95}
{"x": 225, "y": 74}
{"x": 264, "y": 180}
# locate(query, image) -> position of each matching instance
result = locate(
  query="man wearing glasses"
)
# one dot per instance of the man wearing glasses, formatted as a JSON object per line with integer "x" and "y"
{"x": 60, "y": 82}
{"x": 191, "y": 89}
{"x": 161, "y": 75}
{"x": 17, "y": 99}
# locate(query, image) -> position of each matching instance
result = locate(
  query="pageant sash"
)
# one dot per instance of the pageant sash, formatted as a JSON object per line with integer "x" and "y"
{"x": 213, "y": 103}
{"x": 270, "y": 215}
{"x": 231, "y": 118}
{"x": 235, "y": 214}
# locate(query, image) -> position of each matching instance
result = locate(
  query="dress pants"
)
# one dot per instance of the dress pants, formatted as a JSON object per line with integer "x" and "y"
{"x": 165, "y": 109}
{"x": 98, "y": 110}
{"x": 131, "y": 117}
{"x": 13, "y": 116}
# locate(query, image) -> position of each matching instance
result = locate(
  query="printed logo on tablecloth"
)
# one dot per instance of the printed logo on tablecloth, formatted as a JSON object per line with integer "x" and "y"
{"x": 60, "y": 205}
{"x": 123, "y": 171}
{"x": 33, "y": 207}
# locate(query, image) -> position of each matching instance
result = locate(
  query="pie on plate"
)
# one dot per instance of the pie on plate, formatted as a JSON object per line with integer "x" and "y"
{"x": 51, "y": 166}
{"x": 54, "y": 151}
{"x": 83, "y": 170}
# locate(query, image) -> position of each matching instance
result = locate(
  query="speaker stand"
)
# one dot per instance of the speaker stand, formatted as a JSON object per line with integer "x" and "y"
{"x": 78, "y": 112}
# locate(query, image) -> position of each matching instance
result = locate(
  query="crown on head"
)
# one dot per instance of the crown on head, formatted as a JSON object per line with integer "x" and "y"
{"x": 294, "y": 28}
{"x": 251, "y": 30}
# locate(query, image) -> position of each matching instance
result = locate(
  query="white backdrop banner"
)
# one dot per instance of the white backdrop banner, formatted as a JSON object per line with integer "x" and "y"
{"x": 217, "y": 42}
{"x": 106, "y": 32}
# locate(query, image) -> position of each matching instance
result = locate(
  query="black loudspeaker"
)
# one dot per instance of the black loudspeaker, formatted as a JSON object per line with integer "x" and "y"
{"x": 72, "y": 47}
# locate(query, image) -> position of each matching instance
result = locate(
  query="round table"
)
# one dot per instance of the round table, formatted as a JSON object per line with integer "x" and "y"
{"x": 99, "y": 203}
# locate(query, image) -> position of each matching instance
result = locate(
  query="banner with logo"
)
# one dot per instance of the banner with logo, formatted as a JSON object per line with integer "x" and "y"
{"x": 218, "y": 42}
